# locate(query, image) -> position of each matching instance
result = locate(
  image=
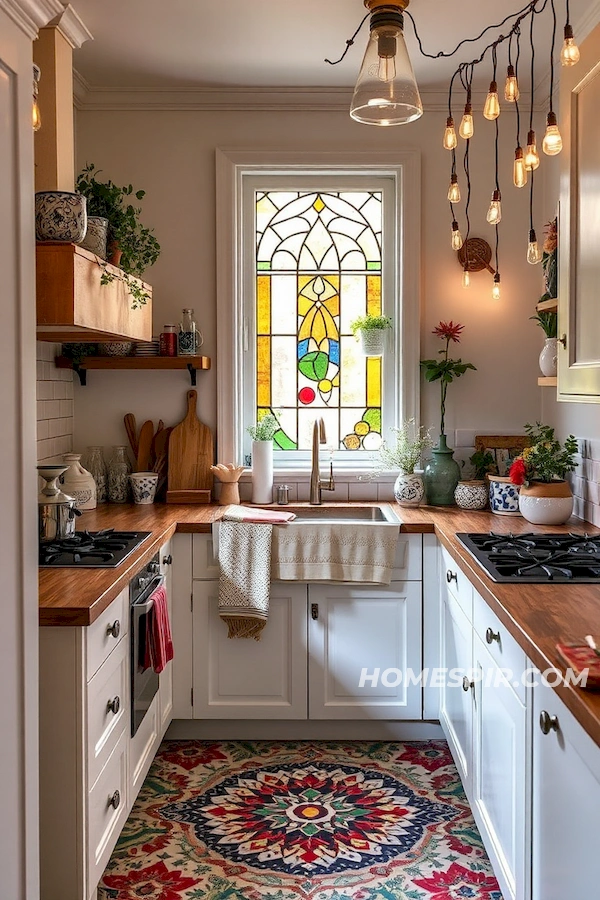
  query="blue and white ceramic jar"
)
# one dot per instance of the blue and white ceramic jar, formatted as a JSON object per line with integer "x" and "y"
{"x": 504, "y": 496}
{"x": 60, "y": 216}
{"x": 143, "y": 486}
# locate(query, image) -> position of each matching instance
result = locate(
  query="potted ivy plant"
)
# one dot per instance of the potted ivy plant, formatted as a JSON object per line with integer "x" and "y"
{"x": 131, "y": 245}
{"x": 405, "y": 455}
{"x": 545, "y": 496}
{"x": 473, "y": 493}
{"x": 372, "y": 331}
{"x": 548, "y": 322}
{"x": 262, "y": 435}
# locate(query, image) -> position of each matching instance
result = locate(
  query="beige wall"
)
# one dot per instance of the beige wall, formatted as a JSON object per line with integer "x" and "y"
{"x": 170, "y": 154}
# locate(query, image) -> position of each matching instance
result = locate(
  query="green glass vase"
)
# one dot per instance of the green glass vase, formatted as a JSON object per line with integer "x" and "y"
{"x": 442, "y": 474}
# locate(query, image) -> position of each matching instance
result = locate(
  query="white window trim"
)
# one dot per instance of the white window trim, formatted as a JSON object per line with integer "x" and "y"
{"x": 231, "y": 168}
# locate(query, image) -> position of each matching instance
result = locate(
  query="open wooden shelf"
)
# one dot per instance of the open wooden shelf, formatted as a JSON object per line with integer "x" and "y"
{"x": 548, "y": 382}
{"x": 191, "y": 363}
{"x": 548, "y": 305}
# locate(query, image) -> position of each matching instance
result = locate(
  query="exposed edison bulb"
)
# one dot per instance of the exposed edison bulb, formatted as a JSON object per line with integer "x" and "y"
{"x": 552, "y": 144}
{"x": 532, "y": 157}
{"x": 491, "y": 110}
{"x": 569, "y": 54}
{"x": 466, "y": 278}
{"x": 511, "y": 86}
{"x": 519, "y": 170}
{"x": 533, "y": 250}
{"x": 457, "y": 240}
{"x": 387, "y": 47}
{"x": 36, "y": 119}
{"x": 494, "y": 213}
{"x": 466, "y": 129}
{"x": 454, "y": 190}
{"x": 450, "y": 141}
{"x": 496, "y": 287}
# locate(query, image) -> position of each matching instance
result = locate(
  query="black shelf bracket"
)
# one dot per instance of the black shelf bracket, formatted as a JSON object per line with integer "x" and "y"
{"x": 82, "y": 372}
{"x": 192, "y": 371}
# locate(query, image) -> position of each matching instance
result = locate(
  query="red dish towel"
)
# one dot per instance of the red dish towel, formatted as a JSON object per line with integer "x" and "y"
{"x": 159, "y": 644}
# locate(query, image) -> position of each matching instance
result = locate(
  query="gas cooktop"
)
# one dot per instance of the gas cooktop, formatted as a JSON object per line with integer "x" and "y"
{"x": 92, "y": 549}
{"x": 536, "y": 558}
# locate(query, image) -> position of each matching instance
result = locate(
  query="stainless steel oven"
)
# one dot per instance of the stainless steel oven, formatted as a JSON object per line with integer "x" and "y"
{"x": 144, "y": 680}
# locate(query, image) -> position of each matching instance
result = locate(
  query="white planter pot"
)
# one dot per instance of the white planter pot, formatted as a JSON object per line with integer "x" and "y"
{"x": 549, "y": 358}
{"x": 546, "y": 504}
{"x": 504, "y": 496}
{"x": 409, "y": 489}
{"x": 79, "y": 483}
{"x": 373, "y": 341}
{"x": 262, "y": 471}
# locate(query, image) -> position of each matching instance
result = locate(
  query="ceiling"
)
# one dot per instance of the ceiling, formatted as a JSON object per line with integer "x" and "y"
{"x": 274, "y": 43}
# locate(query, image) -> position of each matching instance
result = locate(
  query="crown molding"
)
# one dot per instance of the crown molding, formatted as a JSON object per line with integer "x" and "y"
{"x": 70, "y": 24}
{"x": 31, "y": 15}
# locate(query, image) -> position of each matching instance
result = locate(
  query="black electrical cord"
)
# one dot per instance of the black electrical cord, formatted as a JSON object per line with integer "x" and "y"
{"x": 517, "y": 109}
{"x": 349, "y": 42}
{"x": 552, "y": 55}
{"x": 532, "y": 43}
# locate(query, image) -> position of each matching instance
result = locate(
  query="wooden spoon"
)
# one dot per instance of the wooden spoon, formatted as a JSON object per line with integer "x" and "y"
{"x": 131, "y": 429}
{"x": 145, "y": 446}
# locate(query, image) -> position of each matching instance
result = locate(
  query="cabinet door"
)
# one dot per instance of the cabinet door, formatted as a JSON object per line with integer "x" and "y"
{"x": 499, "y": 792}
{"x": 369, "y": 636}
{"x": 247, "y": 679}
{"x": 456, "y": 704}
{"x": 566, "y": 800}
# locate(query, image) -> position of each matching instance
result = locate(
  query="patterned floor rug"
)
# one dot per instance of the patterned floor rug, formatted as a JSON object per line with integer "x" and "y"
{"x": 262, "y": 820}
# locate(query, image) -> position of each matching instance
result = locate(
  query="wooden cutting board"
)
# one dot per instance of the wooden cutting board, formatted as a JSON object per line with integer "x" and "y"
{"x": 190, "y": 452}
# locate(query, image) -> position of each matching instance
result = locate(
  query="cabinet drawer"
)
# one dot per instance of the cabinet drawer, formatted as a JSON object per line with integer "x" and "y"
{"x": 204, "y": 565}
{"x": 457, "y": 583}
{"x": 104, "y": 634}
{"x": 501, "y": 646}
{"x": 107, "y": 691}
{"x": 408, "y": 561}
{"x": 105, "y": 822}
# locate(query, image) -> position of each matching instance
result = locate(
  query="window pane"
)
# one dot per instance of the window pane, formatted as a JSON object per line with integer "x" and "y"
{"x": 318, "y": 267}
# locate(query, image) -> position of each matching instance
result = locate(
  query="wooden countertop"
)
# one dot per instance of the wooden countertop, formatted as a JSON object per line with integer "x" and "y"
{"x": 538, "y": 616}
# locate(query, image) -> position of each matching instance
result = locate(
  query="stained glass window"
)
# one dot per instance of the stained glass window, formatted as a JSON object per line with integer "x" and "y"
{"x": 318, "y": 267}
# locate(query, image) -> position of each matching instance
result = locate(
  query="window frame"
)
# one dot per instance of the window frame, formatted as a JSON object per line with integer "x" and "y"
{"x": 235, "y": 170}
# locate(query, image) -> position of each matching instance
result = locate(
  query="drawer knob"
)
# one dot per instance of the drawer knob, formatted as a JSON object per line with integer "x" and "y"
{"x": 451, "y": 576}
{"x": 467, "y": 685}
{"x": 167, "y": 560}
{"x": 548, "y": 723}
{"x": 114, "y": 705}
{"x": 115, "y": 800}
{"x": 114, "y": 629}
{"x": 492, "y": 636}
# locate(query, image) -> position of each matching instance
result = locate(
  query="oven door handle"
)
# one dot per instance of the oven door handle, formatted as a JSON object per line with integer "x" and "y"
{"x": 143, "y": 608}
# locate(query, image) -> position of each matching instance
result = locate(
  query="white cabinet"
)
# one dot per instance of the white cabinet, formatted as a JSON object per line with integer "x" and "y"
{"x": 165, "y": 690}
{"x": 566, "y": 800}
{"x": 456, "y": 704}
{"x": 247, "y": 679}
{"x": 362, "y": 641}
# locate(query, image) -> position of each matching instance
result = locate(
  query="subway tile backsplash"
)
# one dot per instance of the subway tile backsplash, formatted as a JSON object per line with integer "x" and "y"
{"x": 54, "y": 404}
{"x": 585, "y": 482}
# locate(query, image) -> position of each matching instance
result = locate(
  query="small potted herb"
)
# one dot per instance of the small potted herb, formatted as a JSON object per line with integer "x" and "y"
{"x": 545, "y": 497}
{"x": 405, "y": 455}
{"x": 262, "y": 435}
{"x": 372, "y": 331}
{"x": 548, "y": 322}
{"x": 473, "y": 494}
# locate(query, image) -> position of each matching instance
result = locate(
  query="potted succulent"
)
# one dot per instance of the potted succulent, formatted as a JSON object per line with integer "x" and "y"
{"x": 131, "y": 246}
{"x": 405, "y": 455}
{"x": 545, "y": 496}
{"x": 372, "y": 331}
{"x": 473, "y": 494}
{"x": 548, "y": 322}
{"x": 262, "y": 435}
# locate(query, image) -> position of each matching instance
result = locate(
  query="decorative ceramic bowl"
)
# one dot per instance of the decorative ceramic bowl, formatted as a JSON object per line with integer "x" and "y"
{"x": 546, "y": 504}
{"x": 504, "y": 496}
{"x": 95, "y": 236}
{"x": 143, "y": 486}
{"x": 115, "y": 348}
{"x": 60, "y": 216}
{"x": 471, "y": 495}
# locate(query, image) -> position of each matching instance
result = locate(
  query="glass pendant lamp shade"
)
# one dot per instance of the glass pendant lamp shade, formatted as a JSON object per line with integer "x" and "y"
{"x": 386, "y": 92}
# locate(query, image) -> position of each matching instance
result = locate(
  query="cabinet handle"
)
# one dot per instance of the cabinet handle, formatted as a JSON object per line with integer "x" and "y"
{"x": 167, "y": 560}
{"x": 563, "y": 340}
{"x": 548, "y": 723}
{"x": 467, "y": 685}
{"x": 492, "y": 636}
{"x": 114, "y": 629}
{"x": 115, "y": 800}
{"x": 451, "y": 576}
{"x": 314, "y": 611}
{"x": 114, "y": 705}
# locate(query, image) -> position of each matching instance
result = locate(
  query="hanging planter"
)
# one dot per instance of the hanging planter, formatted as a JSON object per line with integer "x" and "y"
{"x": 372, "y": 331}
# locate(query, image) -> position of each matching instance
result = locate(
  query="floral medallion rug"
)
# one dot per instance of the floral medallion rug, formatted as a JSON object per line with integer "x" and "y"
{"x": 266, "y": 820}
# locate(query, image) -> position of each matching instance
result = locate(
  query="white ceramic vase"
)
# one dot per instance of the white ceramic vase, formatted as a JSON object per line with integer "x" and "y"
{"x": 549, "y": 358}
{"x": 409, "y": 489}
{"x": 546, "y": 504}
{"x": 262, "y": 471}
{"x": 78, "y": 482}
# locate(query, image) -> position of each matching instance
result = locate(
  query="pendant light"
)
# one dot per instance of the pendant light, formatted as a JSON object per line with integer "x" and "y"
{"x": 386, "y": 92}
{"x": 491, "y": 110}
{"x": 36, "y": 119}
{"x": 450, "y": 140}
{"x": 511, "y": 86}
{"x": 454, "y": 189}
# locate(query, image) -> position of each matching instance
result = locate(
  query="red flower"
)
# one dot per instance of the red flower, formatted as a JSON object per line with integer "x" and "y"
{"x": 518, "y": 471}
{"x": 189, "y": 754}
{"x": 458, "y": 883}
{"x": 431, "y": 756}
{"x": 154, "y": 883}
{"x": 448, "y": 331}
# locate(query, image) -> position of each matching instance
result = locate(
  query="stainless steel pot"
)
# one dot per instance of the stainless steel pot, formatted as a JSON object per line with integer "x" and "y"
{"x": 57, "y": 520}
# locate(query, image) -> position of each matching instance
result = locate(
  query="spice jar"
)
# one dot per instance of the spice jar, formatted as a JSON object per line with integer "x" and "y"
{"x": 168, "y": 341}
{"x": 189, "y": 338}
